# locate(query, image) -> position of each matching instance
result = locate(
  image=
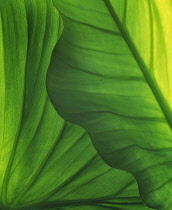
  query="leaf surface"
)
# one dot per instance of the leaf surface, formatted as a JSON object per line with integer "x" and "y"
{"x": 45, "y": 162}
{"x": 111, "y": 74}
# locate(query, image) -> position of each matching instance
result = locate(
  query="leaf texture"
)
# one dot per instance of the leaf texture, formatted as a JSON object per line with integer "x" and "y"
{"x": 111, "y": 74}
{"x": 45, "y": 162}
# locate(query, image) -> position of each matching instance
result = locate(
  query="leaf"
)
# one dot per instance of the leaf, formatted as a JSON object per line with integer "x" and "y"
{"x": 45, "y": 162}
{"x": 111, "y": 74}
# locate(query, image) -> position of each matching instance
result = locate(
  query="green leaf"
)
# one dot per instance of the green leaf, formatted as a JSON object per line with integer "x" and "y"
{"x": 111, "y": 74}
{"x": 45, "y": 162}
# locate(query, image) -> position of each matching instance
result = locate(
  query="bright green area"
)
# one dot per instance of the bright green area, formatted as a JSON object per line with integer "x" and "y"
{"x": 111, "y": 74}
{"x": 46, "y": 162}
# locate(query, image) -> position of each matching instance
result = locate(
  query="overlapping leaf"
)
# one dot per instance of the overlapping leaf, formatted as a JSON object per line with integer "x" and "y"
{"x": 45, "y": 162}
{"x": 111, "y": 74}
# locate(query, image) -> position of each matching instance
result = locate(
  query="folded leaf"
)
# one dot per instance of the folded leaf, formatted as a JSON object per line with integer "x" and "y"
{"x": 111, "y": 74}
{"x": 45, "y": 162}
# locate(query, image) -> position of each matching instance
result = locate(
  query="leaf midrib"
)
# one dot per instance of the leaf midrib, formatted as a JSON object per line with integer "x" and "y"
{"x": 150, "y": 80}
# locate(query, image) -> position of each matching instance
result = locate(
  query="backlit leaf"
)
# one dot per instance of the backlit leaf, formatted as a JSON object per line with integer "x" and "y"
{"x": 111, "y": 74}
{"x": 45, "y": 162}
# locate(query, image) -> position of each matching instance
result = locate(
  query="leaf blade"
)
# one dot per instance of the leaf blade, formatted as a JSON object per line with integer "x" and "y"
{"x": 50, "y": 161}
{"x": 98, "y": 75}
